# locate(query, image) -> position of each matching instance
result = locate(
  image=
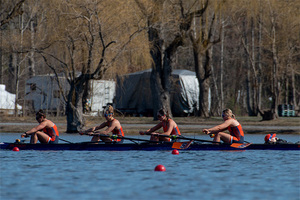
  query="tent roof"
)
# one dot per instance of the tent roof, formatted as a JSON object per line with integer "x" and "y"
{"x": 179, "y": 72}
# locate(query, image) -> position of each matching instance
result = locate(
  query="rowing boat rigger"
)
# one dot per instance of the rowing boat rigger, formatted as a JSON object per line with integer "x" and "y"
{"x": 145, "y": 145}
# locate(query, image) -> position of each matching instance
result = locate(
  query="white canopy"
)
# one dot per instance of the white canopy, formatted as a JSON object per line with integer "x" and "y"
{"x": 7, "y": 100}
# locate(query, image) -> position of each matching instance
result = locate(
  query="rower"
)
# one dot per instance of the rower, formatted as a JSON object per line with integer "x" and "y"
{"x": 272, "y": 139}
{"x": 169, "y": 126}
{"x": 45, "y": 132}
{"x": 234, "y": 127}
{"x": 113, "y": 125}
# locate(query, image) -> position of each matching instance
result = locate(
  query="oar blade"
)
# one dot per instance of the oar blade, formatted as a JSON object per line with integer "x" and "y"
{"x": 240, "y": 145}
{"x": 181, "y": 145}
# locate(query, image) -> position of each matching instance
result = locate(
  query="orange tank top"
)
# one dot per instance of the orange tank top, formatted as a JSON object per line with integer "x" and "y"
{"x": 52, "y": 132}
{"x": 236, "y": 131}
{"x": 118, "y": 132}
{"x": 175, "y": 131}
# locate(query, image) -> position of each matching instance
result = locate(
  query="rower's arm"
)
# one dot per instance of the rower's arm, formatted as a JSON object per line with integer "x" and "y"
{"x": 151, "y": 130}
{"x": 221, "y": 127}
{"x": 91, "y": 130}
{"x": 100, "y": 126}
{"x": 37, "y": 128}
{"x": 96, "y": 128}
{"x": 109, "y": 129}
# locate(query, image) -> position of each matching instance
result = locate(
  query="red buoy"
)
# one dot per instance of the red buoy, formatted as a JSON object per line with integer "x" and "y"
{"x": 160, "y": 168}
{"x": 175, "y": 152}
{"x": 16, "y": 149}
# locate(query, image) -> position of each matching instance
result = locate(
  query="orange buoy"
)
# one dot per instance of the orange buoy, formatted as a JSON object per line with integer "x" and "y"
{"x": 175, "y": 152}
{"x": 16, "y": 149}
{"x": 160, "y": 168}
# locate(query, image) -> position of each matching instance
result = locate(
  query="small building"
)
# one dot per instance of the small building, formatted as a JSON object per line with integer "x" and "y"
{"x": 42, "y": 92}
{"x": 7, "y": 102}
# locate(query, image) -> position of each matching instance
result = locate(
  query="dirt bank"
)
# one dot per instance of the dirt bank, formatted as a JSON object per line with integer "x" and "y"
{"x": 132, "y": 125}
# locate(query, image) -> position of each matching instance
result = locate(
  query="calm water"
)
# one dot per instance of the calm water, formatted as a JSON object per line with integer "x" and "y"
{"x": 105, "y": 175}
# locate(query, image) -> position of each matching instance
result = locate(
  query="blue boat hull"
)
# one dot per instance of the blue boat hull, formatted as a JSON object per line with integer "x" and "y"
{"x": 140, "y": 147}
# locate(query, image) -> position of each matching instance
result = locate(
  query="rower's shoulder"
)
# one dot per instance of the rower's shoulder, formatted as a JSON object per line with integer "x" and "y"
{"x": 116, "y": 121}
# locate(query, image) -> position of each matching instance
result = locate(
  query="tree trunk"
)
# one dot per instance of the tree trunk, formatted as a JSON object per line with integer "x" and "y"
{"x": 155, "y": 81}
{"x": 273, "y": 113}
{"x": 215, "y": 99}
{"x": 259, "y": 95}
{"x": 202, "y": 69}
{"x": 75, "y": 120}
{"x": 247, "y": 65}
{"x": 17, "y": 80}
{"x": 222, "y": 64}
{"x": 161, "y": 70}
{"x": 253, "y": 63}
{"x": 293, "y": 87}
{"x": 31, "y": 61}
{"x": 276, "y": 92}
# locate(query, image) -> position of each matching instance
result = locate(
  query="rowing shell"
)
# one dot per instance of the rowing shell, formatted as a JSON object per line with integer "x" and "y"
{"x": 166, "y": 146}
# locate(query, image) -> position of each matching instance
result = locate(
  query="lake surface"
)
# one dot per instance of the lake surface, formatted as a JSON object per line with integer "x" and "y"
{"x": 105, "y": 175}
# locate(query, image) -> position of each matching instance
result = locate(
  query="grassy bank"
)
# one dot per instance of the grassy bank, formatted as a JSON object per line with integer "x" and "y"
{"x": 26, "y": 123}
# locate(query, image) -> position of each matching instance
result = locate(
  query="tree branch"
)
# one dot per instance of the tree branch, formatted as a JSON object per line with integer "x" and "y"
{"x": 16, "y": 10}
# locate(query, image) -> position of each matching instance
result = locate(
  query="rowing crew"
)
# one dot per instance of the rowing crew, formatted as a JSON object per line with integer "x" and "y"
{"x": 169, "y": 127}
{"x": 46, "y": 131}
{"x": 113, "y": 125}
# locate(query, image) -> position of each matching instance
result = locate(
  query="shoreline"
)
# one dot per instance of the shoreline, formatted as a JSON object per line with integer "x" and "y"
{"x": 132, "y": 125}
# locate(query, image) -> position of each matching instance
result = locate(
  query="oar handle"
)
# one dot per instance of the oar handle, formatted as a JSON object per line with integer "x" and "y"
{"x": 173, "y": 137}
{"x": 65, "y": 141}
{"x": 186, "y": 138}
{"x": 134, "y": 139}
{"x": 234, "y": 145}
{"x": 87, "y": 133}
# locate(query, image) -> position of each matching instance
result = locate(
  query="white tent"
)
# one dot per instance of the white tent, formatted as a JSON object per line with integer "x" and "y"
{"x": 103, "y": 93}
{"x": 7, "y": 101}
{"x": 43, "y": 93}
{"x": 133, "y": 93}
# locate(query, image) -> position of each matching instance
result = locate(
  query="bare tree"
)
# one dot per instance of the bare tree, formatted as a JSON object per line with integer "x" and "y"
{"x": 8, "y": 11}
{"x": 164, "y": 39}
{"x": 87, "y": 45}
{"x": 202, "y": 43}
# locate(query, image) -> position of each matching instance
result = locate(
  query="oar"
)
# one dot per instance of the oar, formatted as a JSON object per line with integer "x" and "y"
{"x": 65, "y": 140}
{"x": 125, "y": 138}
{"x": 234, "y": 145}
{"x": 175, "y": 137}
{"x": 134, "y": 139}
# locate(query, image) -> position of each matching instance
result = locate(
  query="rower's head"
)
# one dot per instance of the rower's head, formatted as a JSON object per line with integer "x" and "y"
{"x": 163, "y": 114}
{"x": 109, "y": 112}
{"x": 40, "y": 116}
{"x": 227, "y": 113}
{"x": 271, "y": 138}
